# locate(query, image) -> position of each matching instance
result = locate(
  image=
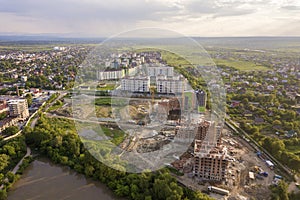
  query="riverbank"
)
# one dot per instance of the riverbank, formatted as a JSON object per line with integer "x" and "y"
{"x": 43, "y": 179}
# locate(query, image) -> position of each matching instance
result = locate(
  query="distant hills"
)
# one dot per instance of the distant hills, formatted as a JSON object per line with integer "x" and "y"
{"x": 263, "y": 42}
{"x": 44, "y": 39}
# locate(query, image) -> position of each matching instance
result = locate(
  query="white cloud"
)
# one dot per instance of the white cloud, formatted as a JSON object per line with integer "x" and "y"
{"x": 191, "y": 17}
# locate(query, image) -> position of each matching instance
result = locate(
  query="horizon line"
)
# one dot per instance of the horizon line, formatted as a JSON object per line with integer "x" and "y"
{"x": 106, "y": 37}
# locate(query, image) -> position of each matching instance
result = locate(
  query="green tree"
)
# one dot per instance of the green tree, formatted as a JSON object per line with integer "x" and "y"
{"x": 11, "y": 177}
{"x": 3, "y": 115}
{"x": 29, "y": 99}
{"x": 4, "y": 161}
{"x": 280, "y": 191}
{"x": 10, "y": 130}
{"x": 3, "y": 194}
{"x": 165, "y": 187}
{"x": 276, "y": 122}
{"x": 9, "y": 150}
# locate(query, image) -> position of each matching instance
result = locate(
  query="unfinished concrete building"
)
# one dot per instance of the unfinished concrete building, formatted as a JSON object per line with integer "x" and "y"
{"x": 210, "y": 158}
{"x": 211, "y": 167}
{"x": 171, "y": 107}
{"x": 202, "y": 130}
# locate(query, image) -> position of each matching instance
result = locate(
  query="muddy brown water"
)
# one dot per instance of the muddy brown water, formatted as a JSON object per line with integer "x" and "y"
{"x": 43, "y": 180}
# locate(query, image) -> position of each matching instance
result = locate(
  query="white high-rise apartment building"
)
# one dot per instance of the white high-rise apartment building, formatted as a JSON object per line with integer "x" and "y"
{"x": 160, "y": 71}
{"x": 175, "y": 84}
{"x": 135, "y": 84}
{"x": 18, "y": 108}
{"x": 110, "y": 75}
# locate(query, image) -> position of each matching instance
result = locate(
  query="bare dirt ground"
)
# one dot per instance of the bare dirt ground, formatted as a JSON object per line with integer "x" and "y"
{"x": 240, "y": 185}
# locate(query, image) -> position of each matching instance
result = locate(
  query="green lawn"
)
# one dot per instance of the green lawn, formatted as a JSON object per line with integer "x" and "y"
{"x": 107, "y": 87}
{"x": 117, "y": 135}
{"x": 56, "y": 106}
{"x": 108, "y": 102}
{"x": 241, "y": 65}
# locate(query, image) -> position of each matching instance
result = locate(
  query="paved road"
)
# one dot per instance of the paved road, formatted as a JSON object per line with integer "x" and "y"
{"x": 16, "y": 168}
{"x": 61, "y": 95}
{"x": 14, "y": 171}
{"x": 12, "y": 136}
{"x": 32, "y": 125}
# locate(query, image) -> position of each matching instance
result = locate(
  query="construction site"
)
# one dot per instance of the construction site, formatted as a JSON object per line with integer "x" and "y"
{"x": 205, "y": 151}
{"x": 213, "y": 155}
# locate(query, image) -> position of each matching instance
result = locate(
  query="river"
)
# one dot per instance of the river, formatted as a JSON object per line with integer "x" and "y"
{"x": 43, "y": 180}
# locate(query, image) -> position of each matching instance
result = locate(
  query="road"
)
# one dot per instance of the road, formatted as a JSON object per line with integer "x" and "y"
{"x": 61, "y": 95}
{"x": 32, "y": 125}
{"x": 20, "y": 132}
{"x": 81, "y": 120}
{"x": 14, "y": 171}
{"x": 12, "y": 136}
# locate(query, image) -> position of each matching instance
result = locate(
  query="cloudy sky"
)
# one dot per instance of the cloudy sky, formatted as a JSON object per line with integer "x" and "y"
{"x": 96, "y": 18}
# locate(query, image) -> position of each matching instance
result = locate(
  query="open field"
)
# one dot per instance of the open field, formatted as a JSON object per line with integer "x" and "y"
{"x": 241, "y": 65}
{"x": 184, "y": 56}
{"x": 28, "y": 48}
{"x": 107, "y": 87}
{"x": 32, "y": 46}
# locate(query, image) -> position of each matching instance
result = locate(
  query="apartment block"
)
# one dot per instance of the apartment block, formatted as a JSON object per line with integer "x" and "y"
{"x": 210, "y": 157}
{"x": 202, "y": 130}
{"x": 175, "y": 84}
{"x": 18, "y": 108}
{"x": 110, "y": 75}
{"x": 160, "y": 71}
{"x": 135, "y": 84}
{"x": 212, "y": 166}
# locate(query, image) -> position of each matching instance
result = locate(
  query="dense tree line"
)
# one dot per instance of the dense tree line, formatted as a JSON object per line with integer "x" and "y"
{"x": 57, "y": 138}
{"x": 10, "y": 130}
{"x": 11, "y": 153}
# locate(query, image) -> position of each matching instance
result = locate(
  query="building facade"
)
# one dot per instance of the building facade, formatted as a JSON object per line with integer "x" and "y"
{"x": 18, "y": 108}
{"x": 201, "y": 99}
{"x": 135, "y": 84}
{"x": 212, "y": 167}
{"x": 110, "y": 75}
{"x": 210, "y": 158}
{"x": 202, "y": 130}
{"x": 160, "y": 71}
{"x": 176, "y": 84}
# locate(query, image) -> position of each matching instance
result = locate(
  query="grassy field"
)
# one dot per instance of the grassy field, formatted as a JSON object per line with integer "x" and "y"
{"x": 31, "y": 47}
{"x": 103, "y": 111}
{"x": 108, "y": 102}
{"x": 117, "y": 135}
{"x": 107, "y": 87}
{"x": 28, "y": 48}
{"x": 187, "y": 57}
{"x": 241, "y": 65}
{"x": 56, "y": 106}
